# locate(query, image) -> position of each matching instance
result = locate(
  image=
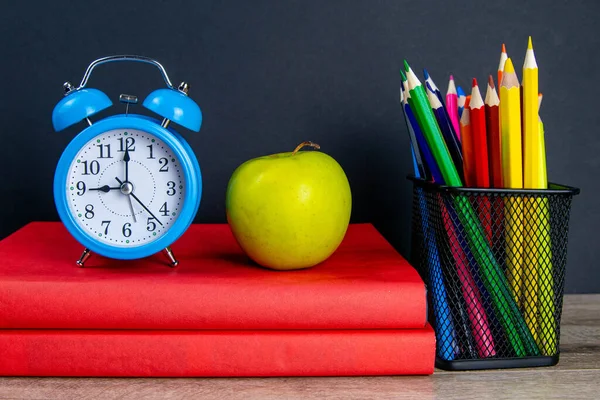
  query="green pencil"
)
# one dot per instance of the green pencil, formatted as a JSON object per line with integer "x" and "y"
{"x": 517, "y": 331}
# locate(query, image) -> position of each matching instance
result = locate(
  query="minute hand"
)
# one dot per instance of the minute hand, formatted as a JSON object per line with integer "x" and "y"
{"x": 141, "y": 204}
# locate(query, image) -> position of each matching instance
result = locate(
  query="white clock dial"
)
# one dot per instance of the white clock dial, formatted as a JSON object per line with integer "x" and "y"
{"x": 125, "y": 203}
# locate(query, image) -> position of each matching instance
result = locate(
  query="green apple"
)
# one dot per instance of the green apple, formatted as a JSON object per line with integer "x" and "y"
{"x": 289, "y": 210}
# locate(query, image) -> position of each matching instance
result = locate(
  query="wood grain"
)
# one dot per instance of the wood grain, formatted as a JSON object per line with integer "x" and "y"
{"x": 576, "y": 376}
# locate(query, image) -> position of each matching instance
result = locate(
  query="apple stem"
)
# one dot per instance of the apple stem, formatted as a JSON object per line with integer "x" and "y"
{"x": 303, "y": 144}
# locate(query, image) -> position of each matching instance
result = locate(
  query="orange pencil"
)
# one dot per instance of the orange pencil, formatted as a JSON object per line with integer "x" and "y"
{"x": 492, "y": 127}
{"x": 503, "y": 57}
{"x": 467, "y": 146}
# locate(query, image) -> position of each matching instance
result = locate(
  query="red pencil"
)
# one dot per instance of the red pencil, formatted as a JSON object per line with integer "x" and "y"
{"x": 480, "y": 152}
{"x": 494, "y": 141}
{"x": 478, "y": 132}
{"x": 492, "y": 127}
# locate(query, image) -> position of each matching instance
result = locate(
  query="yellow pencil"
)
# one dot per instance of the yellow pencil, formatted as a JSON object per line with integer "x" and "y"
{"x": 547, "y": 325}
{"x": 512, "y": 174}
{"x": 536, "y": 238}
{"x": 532, "y": 149}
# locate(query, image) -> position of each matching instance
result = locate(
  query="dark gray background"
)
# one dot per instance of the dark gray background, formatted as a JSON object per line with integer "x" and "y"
{"x": 270, "y": 74}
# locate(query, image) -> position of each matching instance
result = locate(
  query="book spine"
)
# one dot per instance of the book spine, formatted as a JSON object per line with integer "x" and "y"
{"x": 216, "y": 353}
{"x": 67, "y": 305}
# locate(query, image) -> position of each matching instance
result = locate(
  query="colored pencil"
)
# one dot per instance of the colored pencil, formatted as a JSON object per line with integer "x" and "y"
{"x": 547, "y": 325}
{"x": 429, "y": 81}
{"x": 467, "y": 148}
{"x": 503, "y": 57}
{"x": 512, "y": 321}
{"x": 512, "y": 175}
{"x": 445, "y": 332}
{"x": 428, "y": 160}
{"x": 416, "y": 152}
{"x": 420, "y": 105}
{"x": 474, "y": 308}
{"x": 478, "y": 131}
{"x": 453, "y": 136}
{"x": 461, "y": 99}
{"x": 532, "y": 179}
{"x": 452, "y": 106}
{"x": 446, "y": 128}
{"x": 480, "y": 326}
{"x": 492, "y": 126}
{"x": 537, "y": 242}
{"x": 480, "y": 151}
{"x": 532, "y": 150}
{"x": 458, "y": 305}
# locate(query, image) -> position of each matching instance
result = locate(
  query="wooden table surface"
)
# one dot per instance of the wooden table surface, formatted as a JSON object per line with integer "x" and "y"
{"x": 577, "y": 375}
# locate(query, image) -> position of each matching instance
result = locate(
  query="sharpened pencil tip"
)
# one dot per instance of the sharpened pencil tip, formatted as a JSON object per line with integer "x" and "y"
{"x": 509, "y": 68}
{"x": 474, "y": 82}
{"x": 402, "y": 75}
{"x": 406, "y": 66}
{"x": 460, "y": 91}
{"x": 529, "y": 44}
{"x": 451, "y": 77}
{"x": 503, "y": 48}
{"x": 425, "y": 73}
{"x": 491, "y": 81}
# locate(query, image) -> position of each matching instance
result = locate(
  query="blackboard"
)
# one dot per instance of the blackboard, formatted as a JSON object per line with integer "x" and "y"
{"x": 271, "y": 74}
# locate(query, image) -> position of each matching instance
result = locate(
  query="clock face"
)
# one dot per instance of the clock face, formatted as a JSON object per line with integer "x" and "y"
{"x": 125, "y": 188}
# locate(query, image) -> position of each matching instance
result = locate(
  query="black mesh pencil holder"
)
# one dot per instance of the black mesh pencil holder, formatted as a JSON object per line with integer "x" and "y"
{"x": 494, "y": 262}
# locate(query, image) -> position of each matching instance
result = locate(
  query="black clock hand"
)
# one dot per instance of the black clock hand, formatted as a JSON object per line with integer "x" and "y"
{"x": 104, "y": 188}
{"x": 141, "y": 204}
{"x": 126, "y": 159}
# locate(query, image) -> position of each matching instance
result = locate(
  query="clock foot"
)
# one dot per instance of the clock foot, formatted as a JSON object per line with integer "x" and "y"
{"x": 84, "y": 256}
{"x": 169, "y": 253}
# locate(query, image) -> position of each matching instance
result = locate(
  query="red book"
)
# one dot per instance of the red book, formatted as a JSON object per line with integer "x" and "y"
{"x": 365, "y": 284}
{"x": 216, "y": 353}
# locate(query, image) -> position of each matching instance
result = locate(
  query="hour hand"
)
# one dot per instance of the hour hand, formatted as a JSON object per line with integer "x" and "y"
{"x": 104, "y": 188}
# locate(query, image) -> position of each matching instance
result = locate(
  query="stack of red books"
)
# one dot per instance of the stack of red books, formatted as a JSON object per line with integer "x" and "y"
{"x": 361, "y": 312}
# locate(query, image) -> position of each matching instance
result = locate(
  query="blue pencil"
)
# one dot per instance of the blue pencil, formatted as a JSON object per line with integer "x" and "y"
{"x": 421, "y": 144}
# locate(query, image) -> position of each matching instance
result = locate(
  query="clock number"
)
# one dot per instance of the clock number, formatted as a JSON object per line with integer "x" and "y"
{"x": 80, "y": 188}
{"x": 89, "y": 211}
{"x": 126, "y": 144}
{"x": 171, "y": 191}
{"x": 107, "y": 224}
{"x": 101, "y": 147}
{"x": 126, "y": 231}
{"x": 151, "y": 153}
{"x": 151, "y": 225}
{"x": 164, "y": 210}
{"x": 164, "y": 167}
{"x": 93, "y": 169}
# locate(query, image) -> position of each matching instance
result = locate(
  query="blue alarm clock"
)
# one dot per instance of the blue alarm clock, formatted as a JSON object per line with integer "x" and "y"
{"x": 127, "y": 186}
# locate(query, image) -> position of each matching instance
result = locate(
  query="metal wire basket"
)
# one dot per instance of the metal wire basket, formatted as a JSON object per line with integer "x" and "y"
{"x": 494, "y": 264}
